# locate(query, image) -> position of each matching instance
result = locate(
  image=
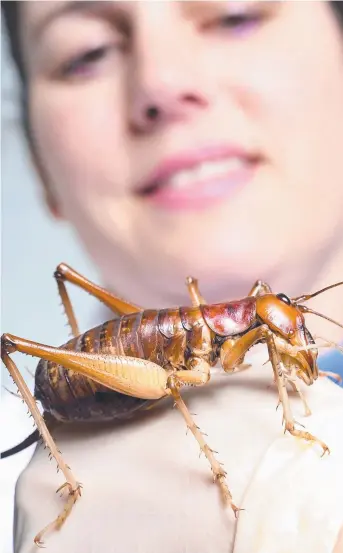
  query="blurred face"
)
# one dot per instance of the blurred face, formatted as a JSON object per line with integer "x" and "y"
{"x": 200, "y": 138}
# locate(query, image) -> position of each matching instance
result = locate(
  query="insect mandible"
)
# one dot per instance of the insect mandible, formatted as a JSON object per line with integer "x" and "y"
{"x": 144, "y": 355}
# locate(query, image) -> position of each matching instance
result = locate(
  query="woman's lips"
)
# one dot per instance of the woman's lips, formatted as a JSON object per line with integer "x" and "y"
{"x": 198, "y": 179}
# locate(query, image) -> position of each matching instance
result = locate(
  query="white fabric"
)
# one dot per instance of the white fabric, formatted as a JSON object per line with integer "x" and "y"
{"x": 146, "y": 490}
{"x": 15, "y": 426}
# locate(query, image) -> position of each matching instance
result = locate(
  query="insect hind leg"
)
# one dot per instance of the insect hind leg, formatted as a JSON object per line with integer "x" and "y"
{"x": 64, "y": 273}
{"x": 74, "y": 487}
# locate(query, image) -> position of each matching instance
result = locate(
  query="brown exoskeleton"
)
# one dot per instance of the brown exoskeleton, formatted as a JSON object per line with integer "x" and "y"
{"x": 144, "y": 355}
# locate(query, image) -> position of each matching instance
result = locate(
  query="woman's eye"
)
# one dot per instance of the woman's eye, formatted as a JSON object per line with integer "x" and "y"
{"x": 237, "y": 23}
{"x": 236, "y": 20}
{"x": 80, "y": 65}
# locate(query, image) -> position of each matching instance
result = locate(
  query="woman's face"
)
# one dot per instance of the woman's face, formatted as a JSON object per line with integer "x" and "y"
{"x": 237, "y": 175}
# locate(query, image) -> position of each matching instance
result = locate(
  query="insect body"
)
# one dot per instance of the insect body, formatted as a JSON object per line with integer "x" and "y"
{"x": 142, "y": 356}
{"x": 156, "y": 336}
{"x": 174, "y": 339}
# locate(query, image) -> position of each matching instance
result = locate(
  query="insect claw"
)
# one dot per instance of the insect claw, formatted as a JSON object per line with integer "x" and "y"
{"x": 236, "y": 510}
{"x": 39, "y": 543}
{"x": 326, "y": 450}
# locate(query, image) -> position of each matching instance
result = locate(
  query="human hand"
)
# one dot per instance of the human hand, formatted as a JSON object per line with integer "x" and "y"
{"x": 145, "y": 488}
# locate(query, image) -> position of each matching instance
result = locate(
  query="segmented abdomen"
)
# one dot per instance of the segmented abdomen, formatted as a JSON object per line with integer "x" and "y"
{"x": 150, "y": 334}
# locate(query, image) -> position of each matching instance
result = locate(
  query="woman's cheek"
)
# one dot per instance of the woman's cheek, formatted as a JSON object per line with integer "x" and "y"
{"x": 66, "y": 149}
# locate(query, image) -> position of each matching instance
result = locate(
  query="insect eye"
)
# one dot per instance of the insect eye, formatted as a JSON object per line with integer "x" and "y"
{"x": 284, "y": 298}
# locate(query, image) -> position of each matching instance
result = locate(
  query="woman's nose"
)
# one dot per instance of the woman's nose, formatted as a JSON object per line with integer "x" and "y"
{"x": 163, "y": 91}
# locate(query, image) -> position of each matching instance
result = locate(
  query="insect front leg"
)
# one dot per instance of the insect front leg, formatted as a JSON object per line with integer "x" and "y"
{"x": 293, "y": 383}
{"x": 8, "y": 346}
{"x": 64, "y": 273}
{"x": 230, "y": 354}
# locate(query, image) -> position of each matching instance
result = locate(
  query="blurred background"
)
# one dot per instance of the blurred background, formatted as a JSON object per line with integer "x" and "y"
{"x": 32, "y": 245}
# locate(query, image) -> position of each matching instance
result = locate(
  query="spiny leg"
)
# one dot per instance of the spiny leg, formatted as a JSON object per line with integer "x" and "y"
{"x": 8, "y": 347}
{"x": 229, "y": 356}
{"x": 292, "y": 381}
{"x": 64, "y": 273}
{"x": 12, "y": 393}
{"x": 132, "y": 376}
{"x": 198, "y": 377}
{"x": 129, "y": 375}
{"x": 280, "y": 381}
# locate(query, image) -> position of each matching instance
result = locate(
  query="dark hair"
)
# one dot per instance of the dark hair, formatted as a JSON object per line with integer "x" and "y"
{"x": 10, "y": 10}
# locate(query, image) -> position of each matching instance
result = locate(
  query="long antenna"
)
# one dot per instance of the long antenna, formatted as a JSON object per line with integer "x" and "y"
{"x": 305, "y": 309}
{"x": 309, "y": 296}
